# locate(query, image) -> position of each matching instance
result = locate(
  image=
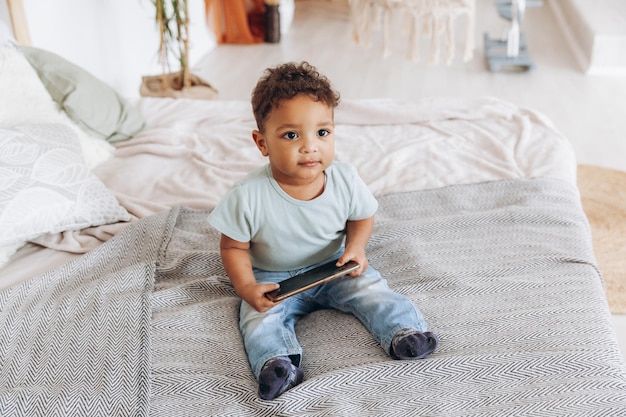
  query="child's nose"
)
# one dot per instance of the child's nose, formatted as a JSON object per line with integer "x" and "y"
{"x": 309, "y": 143}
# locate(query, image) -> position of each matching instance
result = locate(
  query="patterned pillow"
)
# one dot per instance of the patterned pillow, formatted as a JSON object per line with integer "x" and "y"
{"x": 45, "y": 186}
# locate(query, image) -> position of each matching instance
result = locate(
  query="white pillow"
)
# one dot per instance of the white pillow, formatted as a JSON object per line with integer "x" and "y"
{"x": 25, "y": 100}
{"x": 45, "y": 186}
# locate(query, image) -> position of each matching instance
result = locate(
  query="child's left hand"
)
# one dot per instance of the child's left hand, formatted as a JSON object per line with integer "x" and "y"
{"x": 356, "y": 255}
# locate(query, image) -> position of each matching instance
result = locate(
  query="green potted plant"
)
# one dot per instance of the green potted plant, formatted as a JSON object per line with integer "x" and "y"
{"x": 172, "y": 21}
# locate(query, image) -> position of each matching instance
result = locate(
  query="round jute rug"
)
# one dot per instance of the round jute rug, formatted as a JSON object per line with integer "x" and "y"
{"x": 603, "y": 194}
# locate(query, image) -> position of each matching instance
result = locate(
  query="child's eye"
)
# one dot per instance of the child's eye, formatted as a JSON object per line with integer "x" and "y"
{"x": 323, "y": 132}
{"x": 290, "y": 135}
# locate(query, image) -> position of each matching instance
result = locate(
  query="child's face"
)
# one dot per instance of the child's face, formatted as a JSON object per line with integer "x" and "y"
{"x": 299, "y": 140}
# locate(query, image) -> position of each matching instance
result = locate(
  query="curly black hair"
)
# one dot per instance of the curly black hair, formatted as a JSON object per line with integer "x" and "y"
{"x": 286, "y": 81}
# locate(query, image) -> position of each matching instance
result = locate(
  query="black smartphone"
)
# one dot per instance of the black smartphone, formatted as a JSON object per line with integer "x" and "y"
{"x": 309, "y": 279}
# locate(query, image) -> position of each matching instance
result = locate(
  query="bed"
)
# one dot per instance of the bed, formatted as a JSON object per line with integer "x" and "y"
{"x": 113, "y": 299}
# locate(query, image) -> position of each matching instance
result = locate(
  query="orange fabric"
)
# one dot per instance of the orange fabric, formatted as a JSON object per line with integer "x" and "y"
{"x": 232, "y": 23}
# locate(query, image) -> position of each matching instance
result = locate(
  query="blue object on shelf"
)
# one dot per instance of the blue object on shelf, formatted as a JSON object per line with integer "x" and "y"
{"x": 497, "y": 58}
{"x": 511, "y": 50}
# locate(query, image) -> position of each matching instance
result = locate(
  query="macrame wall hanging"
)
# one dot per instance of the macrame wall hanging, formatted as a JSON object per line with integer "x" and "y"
{"x": 432, "y": 18}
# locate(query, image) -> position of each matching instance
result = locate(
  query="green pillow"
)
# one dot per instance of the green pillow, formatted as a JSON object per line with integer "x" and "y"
{"x": 89, "y": 102}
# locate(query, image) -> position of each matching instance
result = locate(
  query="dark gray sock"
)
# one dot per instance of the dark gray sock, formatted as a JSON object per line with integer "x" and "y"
{"x": 277, "y": 376}
{"x": 411, "y": 344}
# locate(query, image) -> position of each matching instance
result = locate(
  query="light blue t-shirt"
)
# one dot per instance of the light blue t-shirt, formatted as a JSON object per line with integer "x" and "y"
{"x": 286, "y": 233}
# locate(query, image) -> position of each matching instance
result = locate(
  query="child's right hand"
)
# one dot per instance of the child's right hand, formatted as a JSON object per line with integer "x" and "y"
{"x": 254, "y": 294}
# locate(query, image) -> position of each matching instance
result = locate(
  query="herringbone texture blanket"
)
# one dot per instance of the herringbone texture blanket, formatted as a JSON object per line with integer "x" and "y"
{"x": 503, "y": 271}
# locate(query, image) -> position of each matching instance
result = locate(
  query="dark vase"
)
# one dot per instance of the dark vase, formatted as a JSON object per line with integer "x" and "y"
{"x": 272, "y": 24}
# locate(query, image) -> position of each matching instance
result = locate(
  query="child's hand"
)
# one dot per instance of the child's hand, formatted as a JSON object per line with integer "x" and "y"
{"x": 254, "y": 294}
{"x": 356, "y": 255}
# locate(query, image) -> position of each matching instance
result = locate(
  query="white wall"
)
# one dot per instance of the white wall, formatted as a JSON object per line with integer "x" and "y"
{"x": 596, "y": 33}
{"x": 115, "y": 40}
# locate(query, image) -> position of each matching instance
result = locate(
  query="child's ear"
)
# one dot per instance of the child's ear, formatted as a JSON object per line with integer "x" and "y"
{"x": 259, "y": 139}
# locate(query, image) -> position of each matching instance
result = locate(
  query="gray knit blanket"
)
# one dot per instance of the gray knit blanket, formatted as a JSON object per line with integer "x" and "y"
{"x": 146, "y": 324}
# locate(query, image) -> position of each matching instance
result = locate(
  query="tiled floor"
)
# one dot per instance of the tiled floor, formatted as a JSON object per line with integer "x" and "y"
{"x": 589, "y": 110}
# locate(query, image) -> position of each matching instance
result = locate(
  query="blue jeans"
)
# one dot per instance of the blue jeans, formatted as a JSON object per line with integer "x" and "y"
{"x": 368, "y": 297}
